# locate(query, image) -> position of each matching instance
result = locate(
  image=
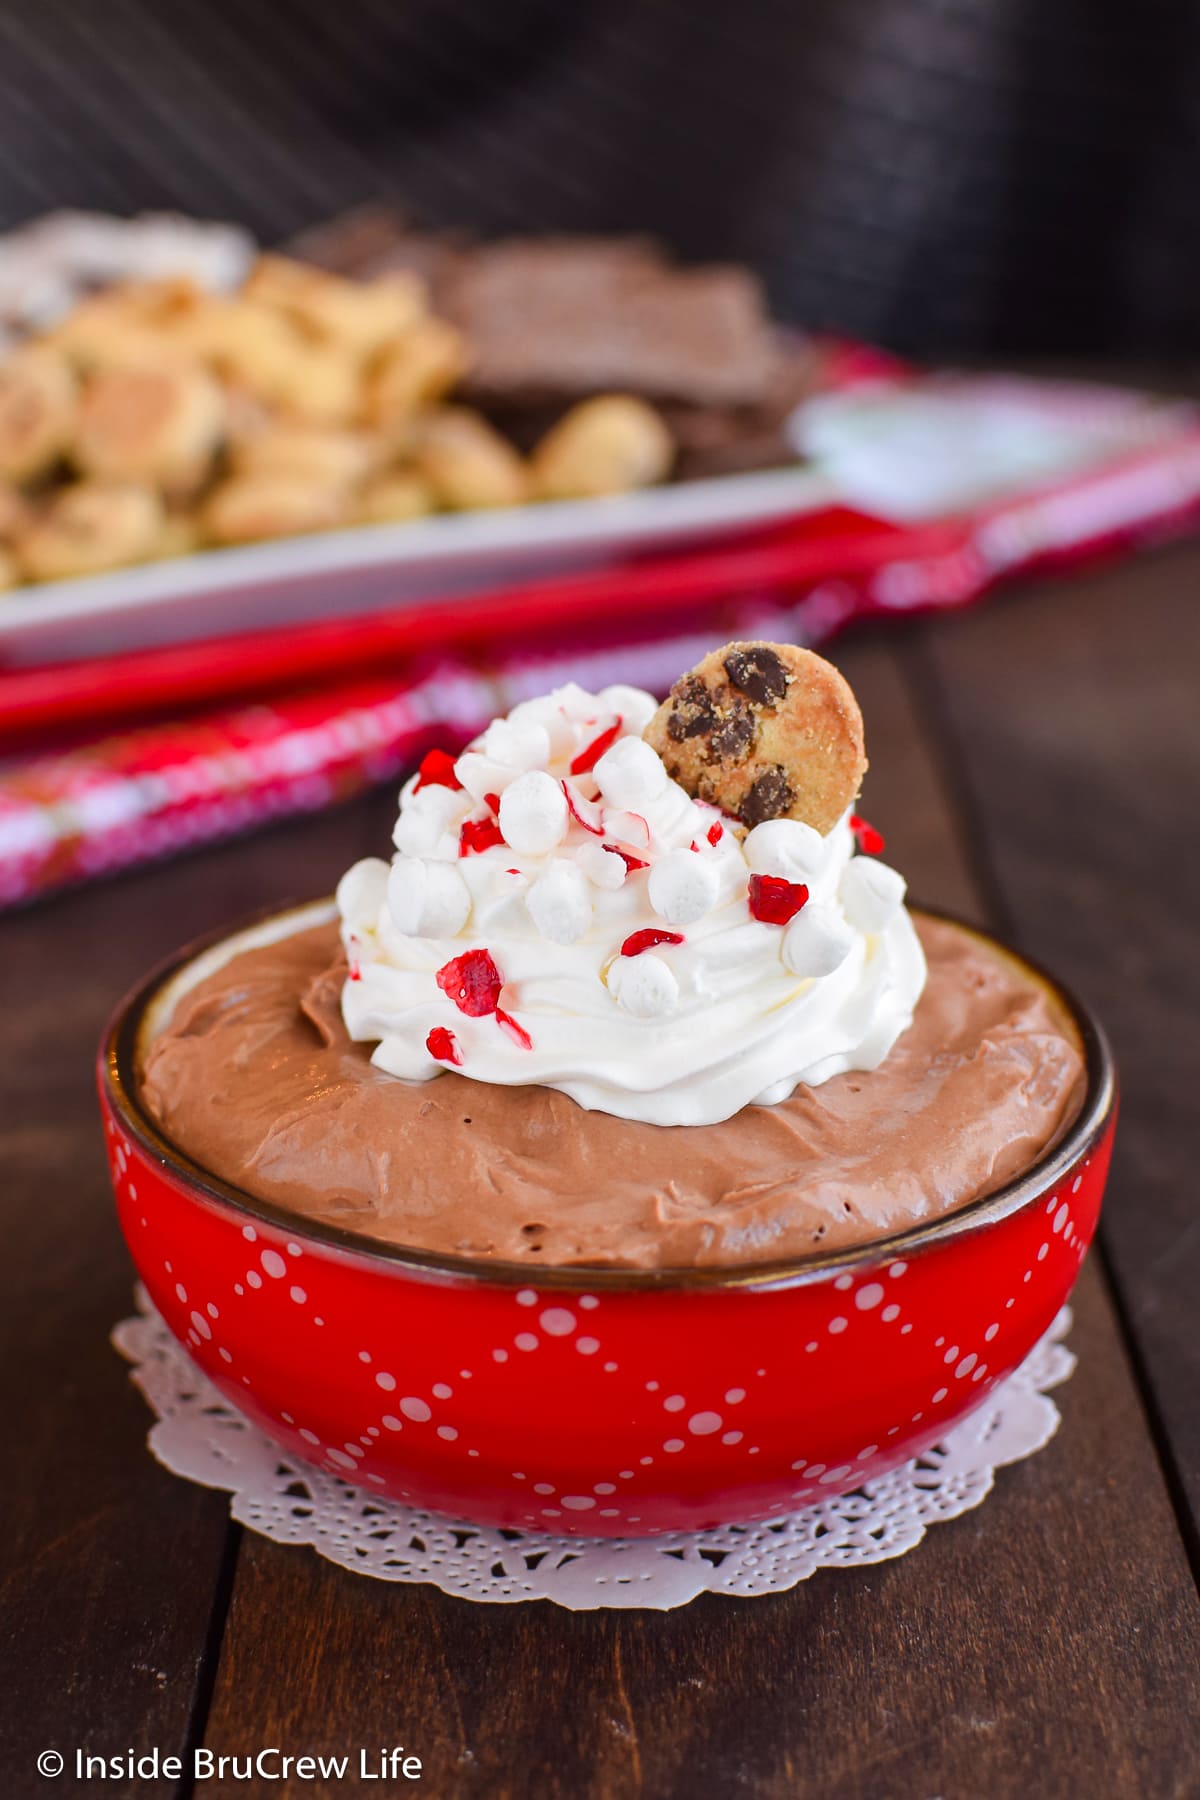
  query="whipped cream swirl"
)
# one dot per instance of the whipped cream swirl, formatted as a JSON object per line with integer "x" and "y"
{"x": 560, "y": 913}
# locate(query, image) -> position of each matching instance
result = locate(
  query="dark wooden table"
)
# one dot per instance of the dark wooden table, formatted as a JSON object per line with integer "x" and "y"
{"x": 1034, "y": 766}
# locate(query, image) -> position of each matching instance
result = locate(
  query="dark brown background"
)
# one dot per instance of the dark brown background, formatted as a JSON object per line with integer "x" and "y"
{"x": 931, "y": 174}
{"x": 1034, "y": 765}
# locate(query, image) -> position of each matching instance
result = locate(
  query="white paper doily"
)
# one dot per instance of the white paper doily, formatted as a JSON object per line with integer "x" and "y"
{"x": 198, "y": 1434}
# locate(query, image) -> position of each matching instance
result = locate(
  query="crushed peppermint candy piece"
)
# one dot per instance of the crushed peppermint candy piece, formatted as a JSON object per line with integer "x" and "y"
{"x": 516, "y": 1032}
{"x": 437, "y": 770}
{"x": 648, "y": 939}
{"x": 584, "y": 812}
{"x": 716, "y": 832}
{"x": 492, "y": 802}
{"x": 866, "y": 837}
{"x": 774, "y": 900}
{"x": 478, "y": 835}
{"x": 628, "y": 828}
{"x": 443, "y": 1045}
{"x": 631, "y": 862}
{"x": 473, "y": 982}
{"x": 591, "y": 753}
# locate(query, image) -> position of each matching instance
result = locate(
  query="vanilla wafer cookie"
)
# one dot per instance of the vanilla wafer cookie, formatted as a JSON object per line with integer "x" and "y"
{"x": 37, "y": 412}
{"x": 765, "y": 731}
{"x": 160, "y": 424}
{"x": 88, "y": 527}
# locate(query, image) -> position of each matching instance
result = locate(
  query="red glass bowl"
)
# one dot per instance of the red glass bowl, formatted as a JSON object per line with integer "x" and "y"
{"x": 598, "y": 1402}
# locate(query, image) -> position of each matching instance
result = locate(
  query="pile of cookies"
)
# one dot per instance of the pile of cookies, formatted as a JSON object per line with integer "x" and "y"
{"x": 555, "y": 318}
{"x": 157, "y": 418}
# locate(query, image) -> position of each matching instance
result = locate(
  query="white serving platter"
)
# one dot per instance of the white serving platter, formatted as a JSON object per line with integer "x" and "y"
{"x": 442, "y": 559}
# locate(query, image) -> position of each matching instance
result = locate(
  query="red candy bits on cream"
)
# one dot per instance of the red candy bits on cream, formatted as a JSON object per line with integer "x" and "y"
{"x": 444, "y": 1046}
{"x": 869, "y": 841}
{"x": 775, "y": 900}
{"x": 591, "y": 754}
{"x": 437, "y": 770}
{"x": 515, "y": 1031}
{"x": 654, "y": 960}
{"x": 637, "y": 941}
{"x": 477, "y": 835}
{"x": 473, "y": 982}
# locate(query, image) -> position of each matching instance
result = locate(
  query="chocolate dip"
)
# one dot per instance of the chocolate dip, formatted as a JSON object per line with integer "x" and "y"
{"x": 256, "y": 1080}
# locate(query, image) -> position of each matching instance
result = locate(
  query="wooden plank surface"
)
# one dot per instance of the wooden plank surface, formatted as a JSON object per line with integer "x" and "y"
{"x": 1047, "y": 1644}
{"x": 108, "y": 1565}
{"x": 1073, "y": 716}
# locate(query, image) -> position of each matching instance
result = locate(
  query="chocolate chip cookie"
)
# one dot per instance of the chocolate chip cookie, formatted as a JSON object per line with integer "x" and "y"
{"x": 765, "y": 731}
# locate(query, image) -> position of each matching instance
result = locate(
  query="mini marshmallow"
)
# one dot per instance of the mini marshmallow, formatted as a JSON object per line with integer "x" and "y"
{"x": 643, "y": 985}
{"x": 635, "y": 706}
{"x": 545, "y": 713}
{"x": 673, "y": 817}
{"x": 428, "y": 822}
{"x": 482, "y": 774}
{"x": 683, "y": 887}
{"x": 427, "y": 898}
{"x": 362, "y": 890}
{"x": 871, "y": 893}
{"x": 816, "y": 942}
{"x": 500, "y": 910}
{"x": 533, "y": 813}
{"x": 435, "y": 801}
{"x": 603, "y": 868}
{"x": 784, "y": 847}
{"x": 520, "y": 743}
{"x": 560, "y": 903}
{"x": 630, "y": 774}
{"x": 574, "y": 702}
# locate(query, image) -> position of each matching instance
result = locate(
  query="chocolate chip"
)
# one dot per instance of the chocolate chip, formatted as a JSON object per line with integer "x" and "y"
{"x": 692, "y": 710}
{"x": 769, "y": 798}
{"x": 733, "y": 736}
{"x": 758, "y": 673}
{"x": 682, "y": 725}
